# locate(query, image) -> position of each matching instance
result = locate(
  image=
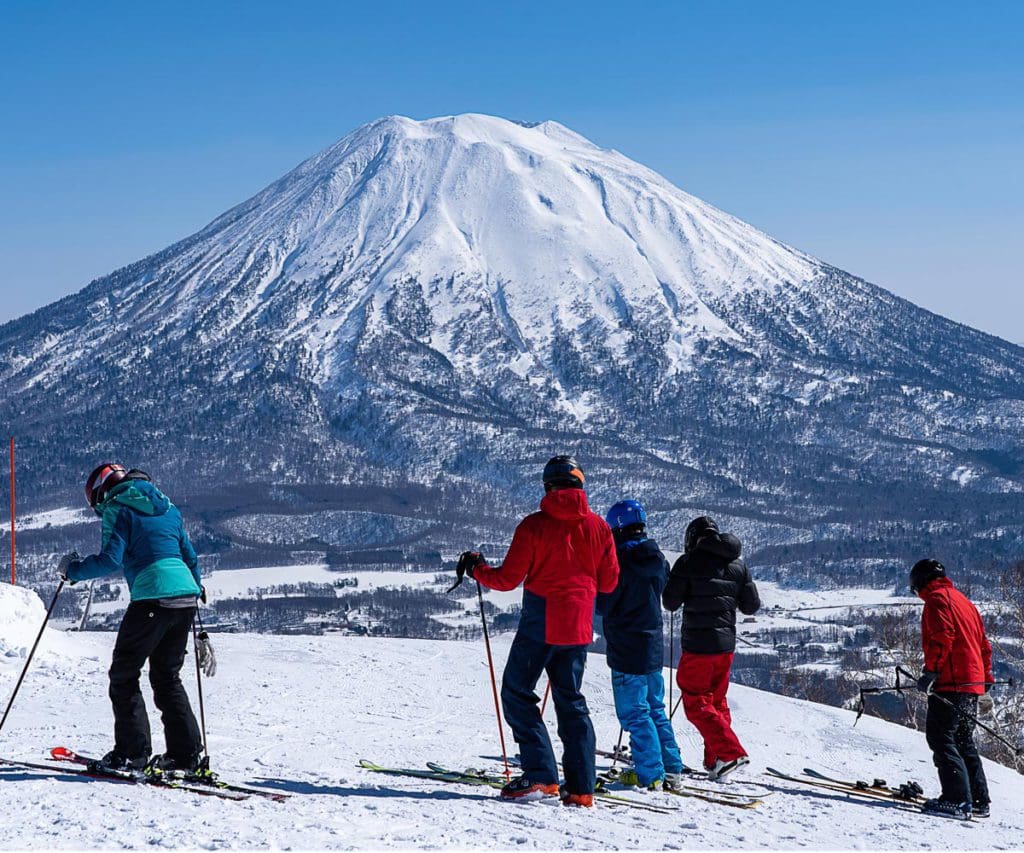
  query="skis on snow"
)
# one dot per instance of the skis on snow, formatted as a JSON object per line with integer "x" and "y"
{"x": 210, "y": 784}
{"x": 736, "y": 799}
{"x": 908, "y": 796}
{"x": 124, "y": 778}
{"x": 611, "y": 797}
{"x": 437, "y": 773}
{"x": 910, "y": 791}
{"x": 747, "y": 794}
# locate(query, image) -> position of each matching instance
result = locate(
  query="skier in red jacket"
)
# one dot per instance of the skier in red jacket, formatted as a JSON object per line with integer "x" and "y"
{"x": 957, "y": 669}
{"x": 566, "y": 555}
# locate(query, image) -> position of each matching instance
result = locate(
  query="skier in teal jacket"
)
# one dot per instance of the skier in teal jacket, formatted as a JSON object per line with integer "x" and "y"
{"x": 144, "y": 537}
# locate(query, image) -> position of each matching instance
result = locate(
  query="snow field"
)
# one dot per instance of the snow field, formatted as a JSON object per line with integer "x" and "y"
{"x": 297, "y": 713}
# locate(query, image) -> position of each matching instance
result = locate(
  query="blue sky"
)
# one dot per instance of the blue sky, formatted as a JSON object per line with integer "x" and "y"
{"x": 885, "y": 138}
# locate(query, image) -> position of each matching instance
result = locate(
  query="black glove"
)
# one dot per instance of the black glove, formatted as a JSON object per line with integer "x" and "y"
{"x": 468, "y": 561}
{"x": 202, "y": 593}
{"x": 927, "y": 681}
{"x": 65, "y": 564}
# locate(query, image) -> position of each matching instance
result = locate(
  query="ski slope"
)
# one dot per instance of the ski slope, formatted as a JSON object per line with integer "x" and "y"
{"x": 297, "y": 713}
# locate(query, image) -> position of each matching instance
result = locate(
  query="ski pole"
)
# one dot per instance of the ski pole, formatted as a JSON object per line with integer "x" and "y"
{"x": 675, "y": 708}
{"x": 1016, "y": 750}
{"x": 547, "y": 692}
{"x": 494, "y": 682}
{"x": 199, "y": 684}
{"x": 618, "y": 749}
{"x": 31, "y": 654}
{"x": 1009, "y": 682}
{"x": 671, "y": 654}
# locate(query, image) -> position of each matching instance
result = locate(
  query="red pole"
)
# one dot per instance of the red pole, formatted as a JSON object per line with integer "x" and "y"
{"x": 14, "y": 574}
{"x": 547, "y": 692}
{"x": 494, "y": 683}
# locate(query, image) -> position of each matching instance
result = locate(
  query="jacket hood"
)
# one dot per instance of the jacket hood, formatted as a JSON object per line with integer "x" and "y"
{"x": 565, "y": 504}
{"x": 643, "y": 556}
{"x": 933, "y": 586}
{"x": 723, "y": 545}
{"x": 139, "y": 495}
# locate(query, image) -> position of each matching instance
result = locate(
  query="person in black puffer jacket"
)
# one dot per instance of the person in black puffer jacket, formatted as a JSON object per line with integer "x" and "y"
{"x": 710, "y": 582}
{"x": 632, "y": 628}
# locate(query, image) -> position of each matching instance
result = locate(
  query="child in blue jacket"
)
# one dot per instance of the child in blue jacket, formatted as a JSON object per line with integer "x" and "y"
{"x": 144, "y": 537}
{"x": 633, "y": 633}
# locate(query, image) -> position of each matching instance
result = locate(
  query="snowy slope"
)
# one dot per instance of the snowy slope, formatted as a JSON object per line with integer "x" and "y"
{"x": 534, "y": 221}
{"x": 296, "y": 714}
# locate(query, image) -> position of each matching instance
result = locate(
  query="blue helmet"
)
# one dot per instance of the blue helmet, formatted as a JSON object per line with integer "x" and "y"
{"x": 626, "y": 513}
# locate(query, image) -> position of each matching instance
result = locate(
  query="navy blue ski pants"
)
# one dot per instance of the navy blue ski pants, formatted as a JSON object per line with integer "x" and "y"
{"x": 564, "y": 665}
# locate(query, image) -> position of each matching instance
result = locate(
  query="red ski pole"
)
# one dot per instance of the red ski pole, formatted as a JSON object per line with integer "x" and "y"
{"x": 547, "y": 692}
{"x": 494, "y": 682}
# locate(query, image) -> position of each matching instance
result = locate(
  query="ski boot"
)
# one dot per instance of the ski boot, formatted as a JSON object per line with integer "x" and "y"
{"x": 523, "y": 790}
{"x": 629, "y": 777}
{"x": 192, "y": 769}
{"x": 721, "y": 769}
{"x": 946, "y": 808}
{"x": 119, "y": 765}
{"x": 582, "y": 801}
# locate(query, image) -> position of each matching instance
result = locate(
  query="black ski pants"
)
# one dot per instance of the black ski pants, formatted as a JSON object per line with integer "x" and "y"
{"x": 159, "y": 635}
{"x": 949, "y": 730}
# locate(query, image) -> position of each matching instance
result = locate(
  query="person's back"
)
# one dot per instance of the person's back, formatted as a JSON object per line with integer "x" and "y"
{"x": 710, "y": 582}
{"x": 143, "y": 536}
{"x": 632, "y": 627}
{"x": 563, "y": 554}
{"x": 631, "y": 615}
{"x": 566, "y": 556}
{"x": 955, "y": 644}
{"x": 957, "y": 668}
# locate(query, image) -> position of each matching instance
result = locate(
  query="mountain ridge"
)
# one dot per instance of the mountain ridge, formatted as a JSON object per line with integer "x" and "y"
{"x": 447, "y": 302}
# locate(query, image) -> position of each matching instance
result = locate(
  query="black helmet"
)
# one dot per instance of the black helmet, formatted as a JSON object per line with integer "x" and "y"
{"x": 924, "y": 572}
{"x": 697, "y": 528}
{"x": 563, "y": 472}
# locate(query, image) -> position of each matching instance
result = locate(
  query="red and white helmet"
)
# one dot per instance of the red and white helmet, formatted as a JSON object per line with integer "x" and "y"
{"x": 102, "y": 480}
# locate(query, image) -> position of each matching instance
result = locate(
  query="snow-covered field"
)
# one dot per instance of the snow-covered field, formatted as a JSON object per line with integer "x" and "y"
{"x": 60, "y": 517}
{"x": 297, "y": 713}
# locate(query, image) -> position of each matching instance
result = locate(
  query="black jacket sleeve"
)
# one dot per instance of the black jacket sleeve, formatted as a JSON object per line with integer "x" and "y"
{"x": 748, "y": 601}
{"x": 678, "y": 587}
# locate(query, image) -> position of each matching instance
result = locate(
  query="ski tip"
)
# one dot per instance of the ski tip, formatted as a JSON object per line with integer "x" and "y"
{"x": 62, "y": 753}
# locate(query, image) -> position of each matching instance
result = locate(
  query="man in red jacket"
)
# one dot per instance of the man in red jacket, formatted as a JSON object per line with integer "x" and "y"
{"x": 957, "y": 669}
{"x": 566, "y": 555}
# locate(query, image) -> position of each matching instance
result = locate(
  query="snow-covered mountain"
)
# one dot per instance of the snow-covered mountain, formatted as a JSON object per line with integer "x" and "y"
{"x": 337, "y": 700}
{"x": 432, "y": 308}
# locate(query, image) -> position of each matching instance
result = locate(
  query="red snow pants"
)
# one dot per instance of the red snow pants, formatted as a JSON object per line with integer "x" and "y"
{"x": 703, "y": 681}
